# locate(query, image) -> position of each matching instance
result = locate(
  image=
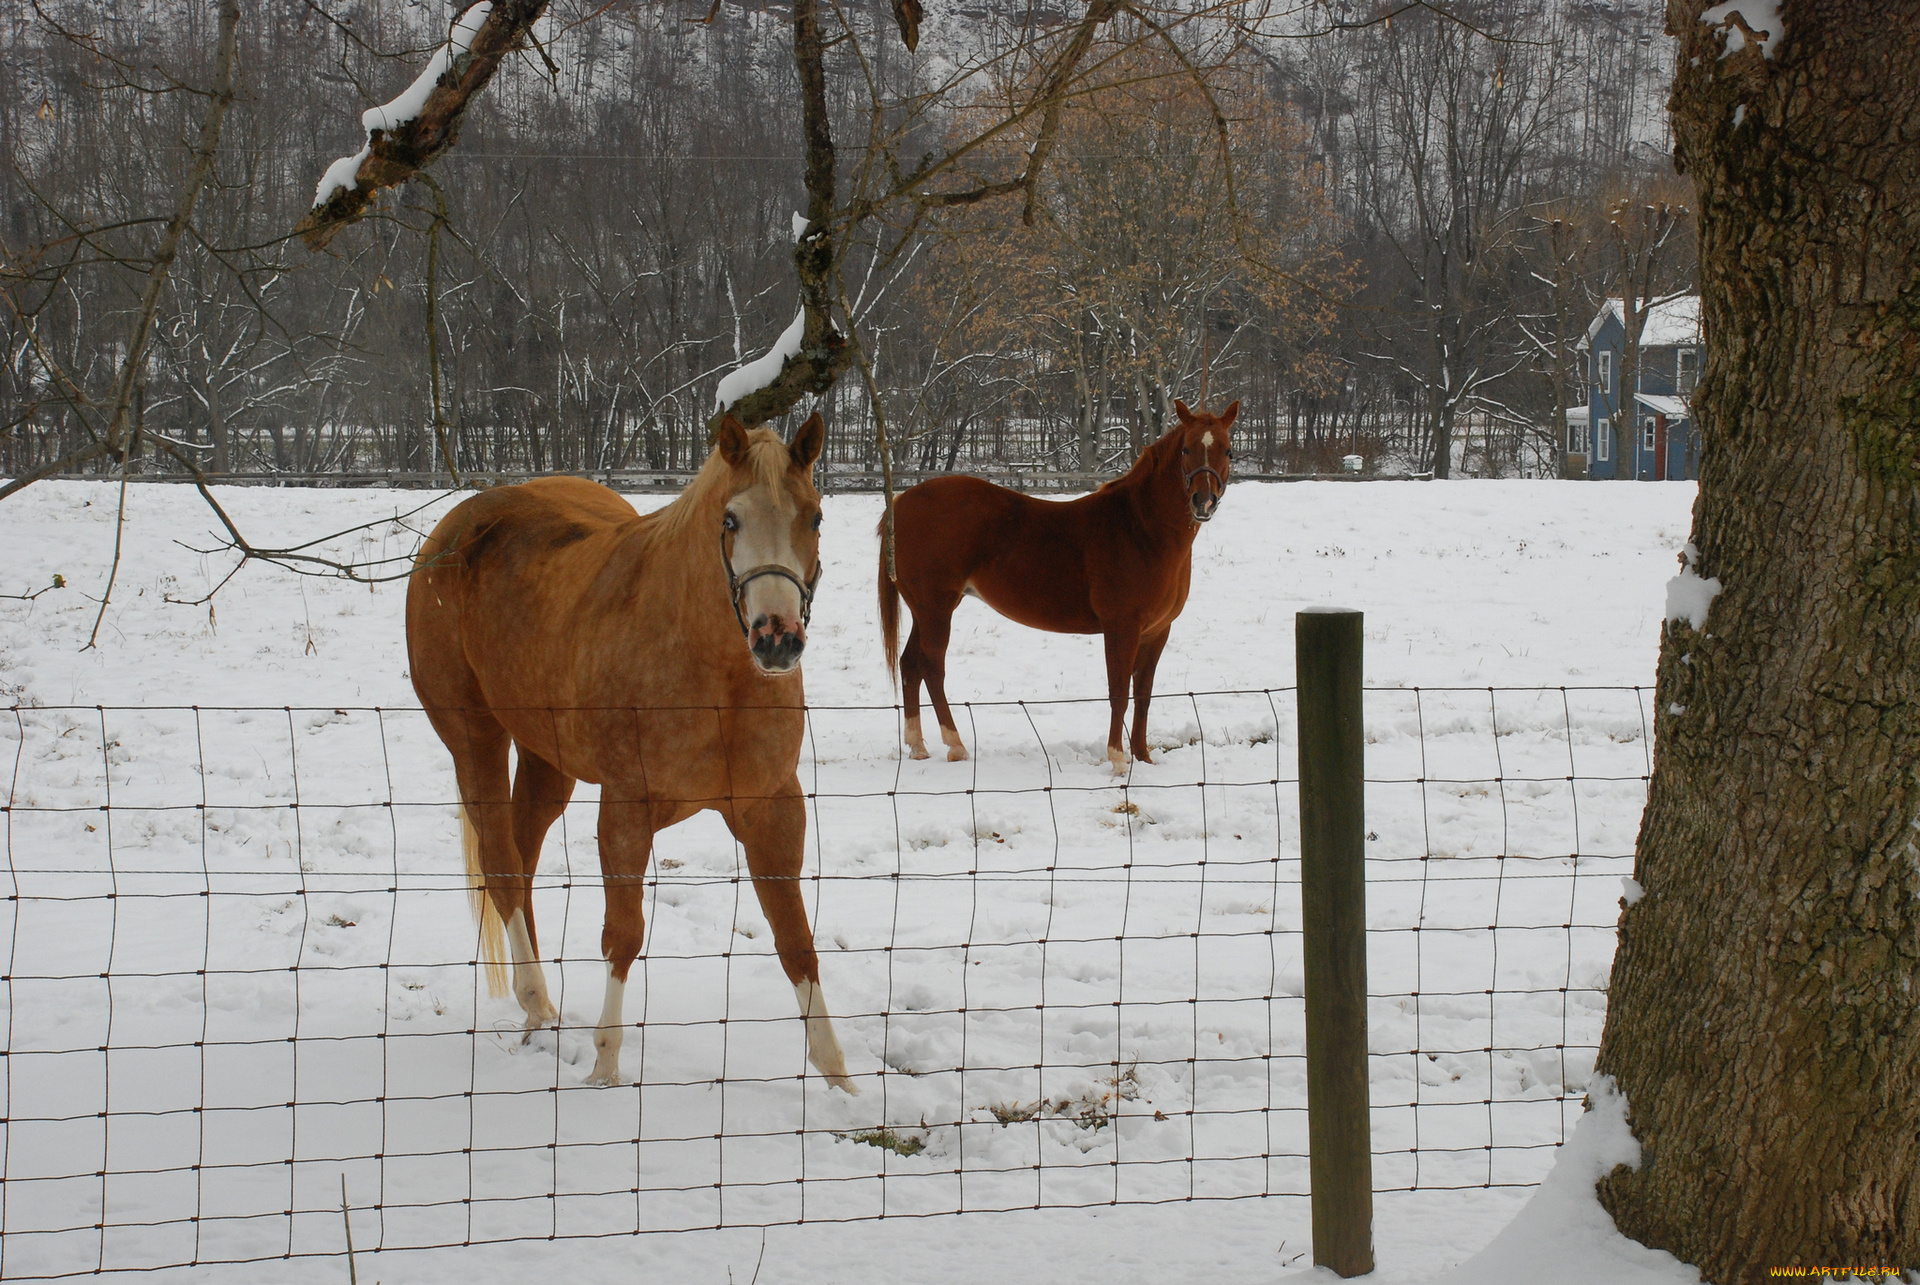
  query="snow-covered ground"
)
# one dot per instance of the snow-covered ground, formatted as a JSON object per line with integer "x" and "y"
{"x": 1466, "y": 585}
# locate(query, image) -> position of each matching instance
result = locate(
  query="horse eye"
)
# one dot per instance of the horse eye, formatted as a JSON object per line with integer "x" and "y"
{"x": 817, "y": 518}
{"x": 731, "y": 522}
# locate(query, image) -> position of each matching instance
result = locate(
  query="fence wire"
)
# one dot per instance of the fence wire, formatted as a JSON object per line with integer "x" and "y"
{"x": 240, "y": 967}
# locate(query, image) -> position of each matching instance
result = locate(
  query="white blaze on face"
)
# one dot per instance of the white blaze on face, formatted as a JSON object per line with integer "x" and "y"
{"x": 765, "y": 538}
{"x": 1206, "y": 438}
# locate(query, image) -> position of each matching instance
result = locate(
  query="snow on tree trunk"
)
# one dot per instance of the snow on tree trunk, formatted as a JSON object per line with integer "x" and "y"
{"x": 1764, "y": 1012}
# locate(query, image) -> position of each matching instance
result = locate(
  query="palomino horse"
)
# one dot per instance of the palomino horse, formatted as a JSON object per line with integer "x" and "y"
{"x": 1116, "y": 563}
{"x": 657, "y": 656}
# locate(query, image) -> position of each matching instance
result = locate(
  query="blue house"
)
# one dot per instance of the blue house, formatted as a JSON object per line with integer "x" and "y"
{"x": 1662, "y": 441}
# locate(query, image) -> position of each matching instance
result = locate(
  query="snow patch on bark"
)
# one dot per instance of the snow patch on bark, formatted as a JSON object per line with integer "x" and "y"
{"x": 762, "y": 370}
{"x": 1630, "y": 890}
{"x": 342, "y": 173}
{"x": 1562, "y": 1234}
{"x": 392, "y": 115}
{"x": 1689, "y": 595}
{"x": 1763, "y": 16}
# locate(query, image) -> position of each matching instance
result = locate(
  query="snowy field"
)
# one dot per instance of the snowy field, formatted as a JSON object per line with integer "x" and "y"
{"x": 1063, "y": 989}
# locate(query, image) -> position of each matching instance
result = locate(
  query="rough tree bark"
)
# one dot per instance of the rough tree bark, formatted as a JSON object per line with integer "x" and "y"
{"x": 1762, "y": 1018}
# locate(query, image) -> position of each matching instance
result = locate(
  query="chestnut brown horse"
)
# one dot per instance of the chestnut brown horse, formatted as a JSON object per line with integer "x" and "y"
{"x": 656, "y": 656}
{"x": 1115, "y": 563}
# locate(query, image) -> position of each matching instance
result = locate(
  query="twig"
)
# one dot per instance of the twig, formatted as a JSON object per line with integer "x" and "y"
{"x": 294, "y": 557}
{"x": 59, "y": 582}
{"x": 79, "y": 455}
{"x": 433, "y": 320}
{"x": 119, "y": 529}
{"x": 879, "y": 423}
{"x": 353, "y": 1272}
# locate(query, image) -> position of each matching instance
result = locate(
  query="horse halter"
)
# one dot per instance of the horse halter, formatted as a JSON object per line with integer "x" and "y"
{"x": 737, "y": 585}
{"x": 1186, "y": 484}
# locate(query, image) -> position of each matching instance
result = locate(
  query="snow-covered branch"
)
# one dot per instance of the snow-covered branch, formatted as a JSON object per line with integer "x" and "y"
{"x": 409, "y": 133}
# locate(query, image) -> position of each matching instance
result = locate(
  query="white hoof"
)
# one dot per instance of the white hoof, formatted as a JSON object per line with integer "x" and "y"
{"x": 956, "y": 753}
{"x": 539, "y": 1021}
{"x": 606, "y": 1073}
{"x": 1119, "y": 760}
{"x": 918, "y": 752}
{"x": 823, "y": 1046}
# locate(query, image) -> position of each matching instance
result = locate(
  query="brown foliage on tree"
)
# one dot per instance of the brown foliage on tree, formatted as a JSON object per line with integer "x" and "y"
{"x": 1177, "y": 227}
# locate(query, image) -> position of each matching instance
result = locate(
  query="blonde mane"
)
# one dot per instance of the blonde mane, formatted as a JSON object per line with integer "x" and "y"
{"x": 711, "y": 488}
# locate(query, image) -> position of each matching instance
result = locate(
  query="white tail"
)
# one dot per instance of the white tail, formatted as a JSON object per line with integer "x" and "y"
{"x": 493, "y": 933}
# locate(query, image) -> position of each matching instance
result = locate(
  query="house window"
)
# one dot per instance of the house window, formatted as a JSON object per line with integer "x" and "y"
{"x": 1686, "y": 371}
{"x": 1646, "y": 433}
{"x": 1576, "y": 439}
{"x": 1603, "y": 436}
{"x": 1606, "y": 372}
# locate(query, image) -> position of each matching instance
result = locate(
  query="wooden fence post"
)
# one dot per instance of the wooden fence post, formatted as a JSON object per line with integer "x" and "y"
{"x": 1333, "y": 896}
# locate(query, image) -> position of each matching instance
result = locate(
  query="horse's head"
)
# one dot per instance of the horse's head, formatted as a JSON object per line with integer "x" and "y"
{"x": 770, "y": 537}
{"x": 1205, "y": 456}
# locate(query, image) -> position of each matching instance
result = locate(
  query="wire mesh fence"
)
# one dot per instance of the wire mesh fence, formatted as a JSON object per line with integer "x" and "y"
{"x": 241, "y": 968}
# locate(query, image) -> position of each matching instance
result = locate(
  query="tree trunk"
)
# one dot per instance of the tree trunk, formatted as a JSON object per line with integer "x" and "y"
{"x": 1762, "y": 1014}
{"x": 1626, "y": 419}
{"x": 1442, "y": 411}
{"x": 216, "y": 427}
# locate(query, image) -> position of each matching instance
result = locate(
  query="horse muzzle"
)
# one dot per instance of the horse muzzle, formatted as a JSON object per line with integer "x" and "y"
{"x": 1202, "y": 500}
{"x": 775, "y": 640}
{"x": 776, "y": 643}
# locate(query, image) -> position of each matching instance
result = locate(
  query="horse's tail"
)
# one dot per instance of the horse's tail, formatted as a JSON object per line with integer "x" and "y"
{"x": 889, "y": 612}
{"x": 493, "y": 933}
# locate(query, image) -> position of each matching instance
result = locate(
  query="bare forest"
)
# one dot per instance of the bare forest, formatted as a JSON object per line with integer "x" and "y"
{"x": 1382, "y": 227}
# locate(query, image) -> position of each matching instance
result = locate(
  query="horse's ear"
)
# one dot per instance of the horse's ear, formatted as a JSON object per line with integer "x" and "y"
{"x": 806, "y": 444}
{"x": 1184, "y": 411}
{"x": 731, "y": 438}
{"x": 1230, "y": 414}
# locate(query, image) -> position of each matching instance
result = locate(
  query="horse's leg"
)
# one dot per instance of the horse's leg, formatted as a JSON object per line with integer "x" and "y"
{"x": 1123, "y": 645}
{"x": 938, "y": 627}
{"x": 1143, "y": 666}
{"x": 540, "y": 794}
{"x": 774, "y": 834}
{"x": 913, "y": 671}
{"x": 478, "y": 744}
{"x": 626, "y": 844}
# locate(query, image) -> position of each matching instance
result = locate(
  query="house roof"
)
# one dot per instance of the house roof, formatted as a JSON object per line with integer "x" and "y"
{"x": 1671, "y": 321}
{"x": 1661, "y": 404}
{"x": 1576, "y": 414}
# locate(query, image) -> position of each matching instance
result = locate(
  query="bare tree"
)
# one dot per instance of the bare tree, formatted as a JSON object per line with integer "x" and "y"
{"x": 106, "y": 416}
{"x": 1445, "y": 151}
